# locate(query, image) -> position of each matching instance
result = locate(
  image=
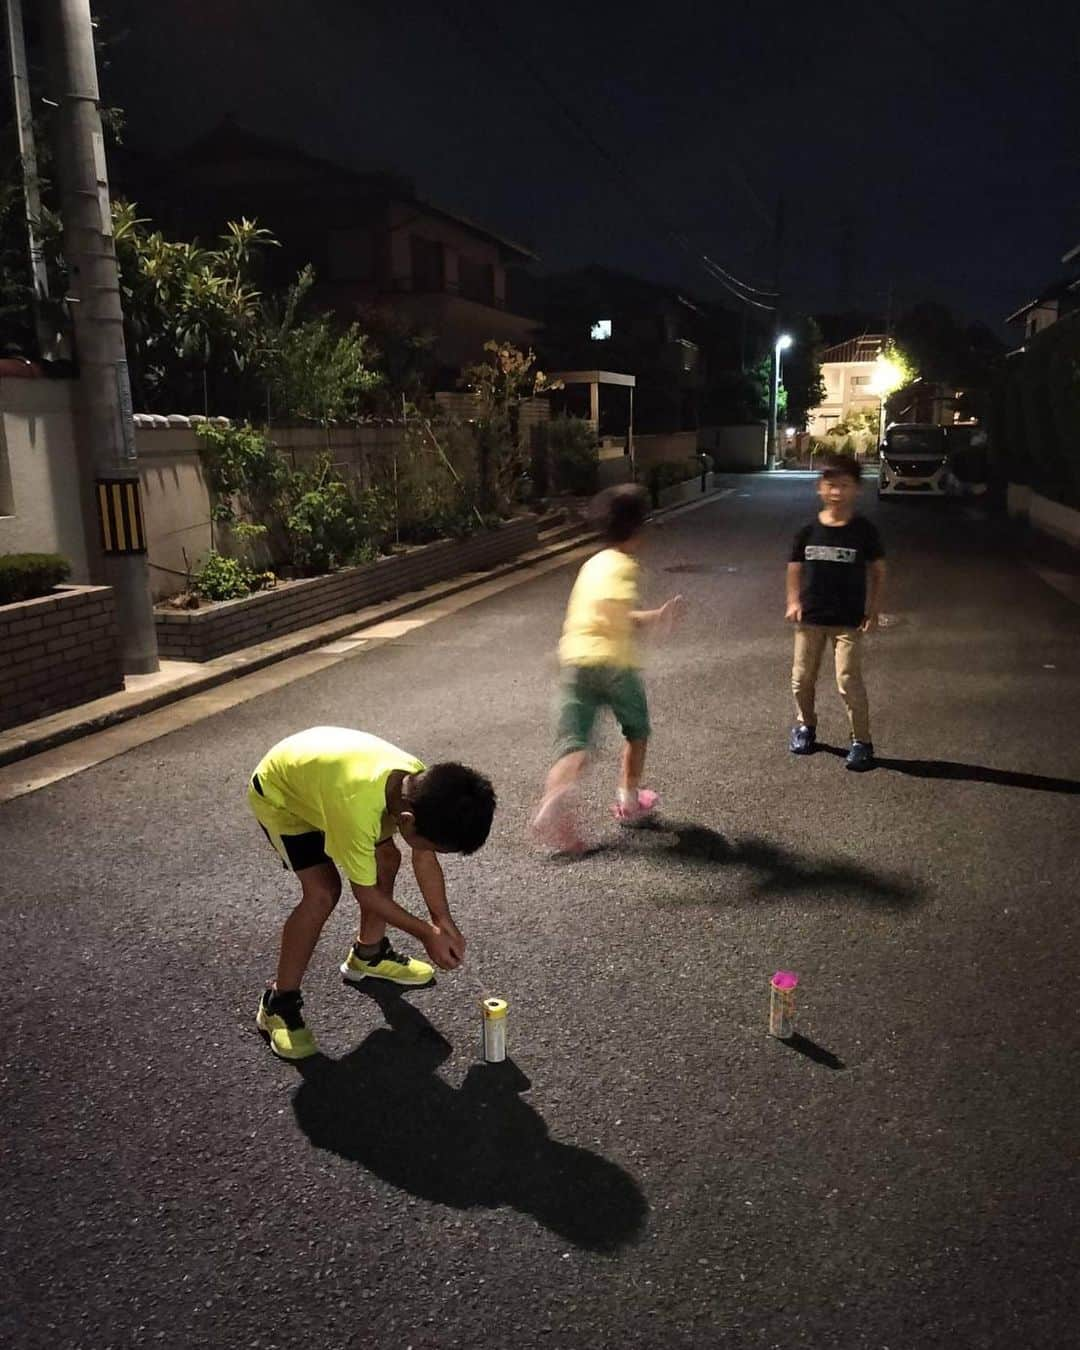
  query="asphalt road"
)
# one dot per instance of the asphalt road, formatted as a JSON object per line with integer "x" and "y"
{"x": 652, "y": 1169}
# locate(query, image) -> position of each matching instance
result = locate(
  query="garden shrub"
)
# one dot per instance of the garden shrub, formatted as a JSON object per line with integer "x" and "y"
{"x": 671, "y": 473}
{"x": 327, "y": 527}
{"x": 222, "y": 578}
{"x": 570, "y": 455}
{"x": 26, "y": 576}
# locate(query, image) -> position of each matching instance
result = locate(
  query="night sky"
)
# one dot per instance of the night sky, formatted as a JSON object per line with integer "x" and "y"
{"x": 923, "y": 147}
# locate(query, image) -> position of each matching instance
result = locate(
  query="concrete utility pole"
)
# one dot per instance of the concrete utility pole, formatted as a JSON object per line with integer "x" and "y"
{"x": 105, "y": 432}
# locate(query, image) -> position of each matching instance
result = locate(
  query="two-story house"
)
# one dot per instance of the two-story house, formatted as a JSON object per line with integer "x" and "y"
{"x": 372, "y": 240}
{"x": 1052, "y": 303}
{"x": 847, "y": 372}
{"x": 597, "y": 318}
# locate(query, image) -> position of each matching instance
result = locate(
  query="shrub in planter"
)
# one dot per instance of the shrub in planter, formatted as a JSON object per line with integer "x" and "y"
{"x": 25, "y": 576}
{"x": 222, "y": 578}
{"x": 570, "y": 455}
{"x": 328, "y": 530}
{"x": 667, "y": 475}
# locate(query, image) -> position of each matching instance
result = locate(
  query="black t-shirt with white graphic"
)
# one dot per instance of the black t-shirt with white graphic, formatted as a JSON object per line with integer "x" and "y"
{"x": 834, "y": 558}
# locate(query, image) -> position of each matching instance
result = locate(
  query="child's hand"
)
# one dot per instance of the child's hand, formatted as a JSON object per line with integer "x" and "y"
{"x": 793, "y": 613}
{"x": 667, "y": 616}
{"x": 671, "y": 611}
{"x": 869, "y": 623}
{"x": 445, "y": 946}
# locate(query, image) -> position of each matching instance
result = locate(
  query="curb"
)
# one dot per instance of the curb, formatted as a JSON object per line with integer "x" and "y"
{"x": 23, "y": 742}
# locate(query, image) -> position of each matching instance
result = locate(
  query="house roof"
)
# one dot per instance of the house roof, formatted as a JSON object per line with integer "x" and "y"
{"x": 1054, "y": 292}
{"x": 865, "y": 348}
{"x": 231, "y": 141}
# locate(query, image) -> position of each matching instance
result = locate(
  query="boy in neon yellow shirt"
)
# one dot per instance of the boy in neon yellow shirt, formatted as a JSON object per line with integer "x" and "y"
{"x": 599, "y": 663}
{"x": 331, "y": 798}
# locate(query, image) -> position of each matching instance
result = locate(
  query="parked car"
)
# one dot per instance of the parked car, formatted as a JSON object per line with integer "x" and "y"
{"x": 914, "y": 460}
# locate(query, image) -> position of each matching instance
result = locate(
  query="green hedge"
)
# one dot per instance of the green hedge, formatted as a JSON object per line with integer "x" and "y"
{"x": 669, "y": 474}
{"x": 25, "y": 576}
{"x": 1036, "y": 433}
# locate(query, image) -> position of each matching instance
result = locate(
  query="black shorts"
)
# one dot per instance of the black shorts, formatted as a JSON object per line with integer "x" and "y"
{"x": 297, "y": 848}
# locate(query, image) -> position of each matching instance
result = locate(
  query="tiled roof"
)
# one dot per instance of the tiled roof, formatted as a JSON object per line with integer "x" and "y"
{"x": 865, "y": 348}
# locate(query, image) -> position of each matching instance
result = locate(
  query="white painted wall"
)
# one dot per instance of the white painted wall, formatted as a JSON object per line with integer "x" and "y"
{"x": 1052, "y": 518}
{"x": 40, "y": 509}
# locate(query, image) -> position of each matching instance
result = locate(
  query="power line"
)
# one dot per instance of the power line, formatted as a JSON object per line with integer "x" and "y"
{"x": 629, "y": 185}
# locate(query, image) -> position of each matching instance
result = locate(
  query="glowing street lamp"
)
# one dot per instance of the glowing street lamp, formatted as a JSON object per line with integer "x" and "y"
{"x": 782, "y": 343}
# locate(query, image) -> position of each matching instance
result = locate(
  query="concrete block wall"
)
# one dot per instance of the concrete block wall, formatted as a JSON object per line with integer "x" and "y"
{"x": 201, "y": 635}
{"x": 57, "y": 651}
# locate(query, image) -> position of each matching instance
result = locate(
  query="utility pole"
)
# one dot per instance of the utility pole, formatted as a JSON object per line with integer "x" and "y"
{"x": 24, "y": 123}
{"x": 105, "y": 431}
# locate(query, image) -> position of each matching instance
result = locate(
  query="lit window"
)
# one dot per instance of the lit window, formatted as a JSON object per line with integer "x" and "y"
{"x": 601, "y": 330}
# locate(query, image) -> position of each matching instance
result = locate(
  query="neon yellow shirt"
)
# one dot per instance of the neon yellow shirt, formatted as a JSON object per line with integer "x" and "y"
{"x": 591, "y": 636}
{"x": 335, "y": 780}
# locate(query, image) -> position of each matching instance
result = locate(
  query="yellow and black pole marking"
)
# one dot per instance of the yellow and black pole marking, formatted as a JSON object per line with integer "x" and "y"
{"x": 120, "y": 514}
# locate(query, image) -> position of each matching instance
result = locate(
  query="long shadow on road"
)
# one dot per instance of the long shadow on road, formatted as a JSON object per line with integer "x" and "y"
{"x": 966, "y": 773}
{"x": 478, "y": 1146}
{"x": 778, "y": 870}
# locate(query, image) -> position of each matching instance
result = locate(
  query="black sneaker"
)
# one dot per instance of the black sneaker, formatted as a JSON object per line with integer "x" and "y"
{"x": 860, "y": 757}
{"x": 803, "y": 740}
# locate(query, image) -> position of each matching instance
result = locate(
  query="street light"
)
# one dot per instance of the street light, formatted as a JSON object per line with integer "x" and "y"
{"x": 782, "y": 343}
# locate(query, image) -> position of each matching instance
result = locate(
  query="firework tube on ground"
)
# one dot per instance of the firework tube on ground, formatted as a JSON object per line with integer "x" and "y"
{"x": 494, "y": 1010}
{"x": 782, "y": 1004}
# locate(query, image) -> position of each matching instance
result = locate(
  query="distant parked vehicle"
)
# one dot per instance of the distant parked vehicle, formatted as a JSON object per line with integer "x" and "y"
{"x": 914, "y": 460}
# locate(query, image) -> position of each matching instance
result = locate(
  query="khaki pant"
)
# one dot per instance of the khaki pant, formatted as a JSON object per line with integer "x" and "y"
{"x": 810, "y": 641}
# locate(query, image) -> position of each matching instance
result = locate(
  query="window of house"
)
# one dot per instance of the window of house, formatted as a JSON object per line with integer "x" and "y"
{"x": 861, "y": 379}
{"x": 476, "y": 281}
{"x": 428, "y": 264}
{"x": 601, "y": 330}
{"x": 350, "y": 255}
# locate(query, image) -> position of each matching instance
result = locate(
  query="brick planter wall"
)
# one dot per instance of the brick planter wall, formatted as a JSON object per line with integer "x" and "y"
{"x": 200, "y": 635}
{"x": 57, "y": 651}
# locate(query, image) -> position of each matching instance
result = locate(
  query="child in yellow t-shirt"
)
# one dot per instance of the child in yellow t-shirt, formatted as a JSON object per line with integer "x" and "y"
{"x": 599, "y": 663}
{"x": 330, "y": 801}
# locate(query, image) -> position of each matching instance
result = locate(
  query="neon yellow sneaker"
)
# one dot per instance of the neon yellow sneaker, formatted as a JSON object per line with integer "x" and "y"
{"x": 388, "y": 965}
{"x": 283, "y": 1026}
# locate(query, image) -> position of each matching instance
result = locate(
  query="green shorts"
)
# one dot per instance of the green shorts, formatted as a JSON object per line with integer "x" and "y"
{"x": 584, "y": 690}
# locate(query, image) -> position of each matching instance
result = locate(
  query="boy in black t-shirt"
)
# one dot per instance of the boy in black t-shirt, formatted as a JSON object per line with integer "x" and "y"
{"x": 834, "y": 583}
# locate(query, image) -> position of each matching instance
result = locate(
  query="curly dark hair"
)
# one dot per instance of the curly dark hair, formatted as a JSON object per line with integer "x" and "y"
{"x": 452, "y": 806}
{"x": 619, "y": 512}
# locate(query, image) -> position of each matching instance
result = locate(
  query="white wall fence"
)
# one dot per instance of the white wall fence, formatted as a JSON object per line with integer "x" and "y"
{"x": 1052, "y": 518}
{"x": 40, "y": 507}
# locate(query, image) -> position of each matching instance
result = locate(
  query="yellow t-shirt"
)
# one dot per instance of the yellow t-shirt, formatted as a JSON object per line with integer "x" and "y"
{"x": 591, "y": 637}
{"x": 335, "y": 780}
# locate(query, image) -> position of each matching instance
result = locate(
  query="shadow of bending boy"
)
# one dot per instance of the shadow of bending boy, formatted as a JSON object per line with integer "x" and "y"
{"x": 385, "y": 1107}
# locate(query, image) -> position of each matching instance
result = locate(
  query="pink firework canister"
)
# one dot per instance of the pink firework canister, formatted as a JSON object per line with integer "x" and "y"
{"x": 782, "y": 1004}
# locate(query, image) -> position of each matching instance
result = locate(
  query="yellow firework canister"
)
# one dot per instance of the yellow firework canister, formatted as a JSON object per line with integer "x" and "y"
{"x": 494, "y": 1010}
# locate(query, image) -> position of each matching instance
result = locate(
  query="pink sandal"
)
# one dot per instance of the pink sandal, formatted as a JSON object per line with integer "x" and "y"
{"x": 647, "y": 802}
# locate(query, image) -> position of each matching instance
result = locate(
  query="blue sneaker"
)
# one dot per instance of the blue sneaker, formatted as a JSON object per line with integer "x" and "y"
{"x": 802, "y": 740}
{"x": 860, "y": 757}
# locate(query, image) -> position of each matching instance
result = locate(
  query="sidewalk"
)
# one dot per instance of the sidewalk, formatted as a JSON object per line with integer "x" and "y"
{"x": 182, "y": 679}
